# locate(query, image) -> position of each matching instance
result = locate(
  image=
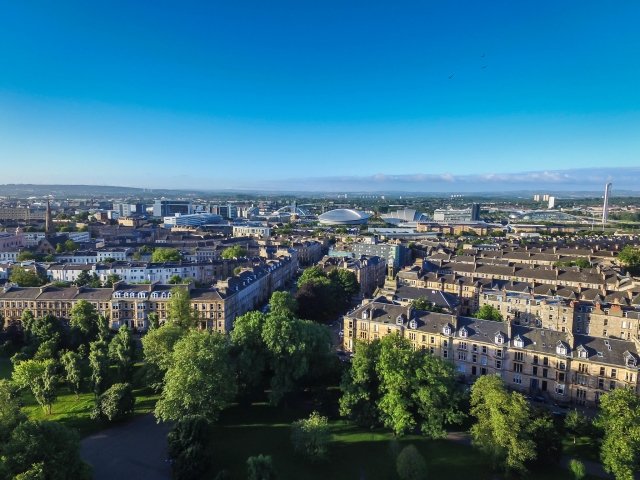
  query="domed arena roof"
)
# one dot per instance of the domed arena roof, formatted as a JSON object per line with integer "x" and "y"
{"x": 343, "y": 216}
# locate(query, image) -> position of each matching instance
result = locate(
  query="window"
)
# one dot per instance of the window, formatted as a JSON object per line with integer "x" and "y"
{"x": 445, "y": 343}
{"x": 561, "y": 376}
{"x": 462, "y": 345}
{"x": 545, "y": 361}
{"x": 445, "y": 353}
{"x": 498, "y": 353}
{"x": 517, "y": 367}
{"x": 433, "y": 340}
{"x": 612, "y": 385}
{"x": 519, "y": 356}
{"x": 474, "y": 370}
{"x": 462, "y": 356}
{"x": 475, "y": 347}
{"x": 561, "y": 366}
{"x": 602, "y": 372}
{"x": 601, "y": 384}
{"x": 545, "y": 372}
{"x": 535, "y": 371}
{"x": 484, "y": 360}
{"x": 560, "y": 389}
{"x": 535, "y": 359}
{"x": 498, "y": 363}
{"x": 484, "y": 350}
{"x": 474, "y": 358}
{"x": 517, "y": 379}
{"x": 613, "y": 373}
{"x": 583, "y": 368}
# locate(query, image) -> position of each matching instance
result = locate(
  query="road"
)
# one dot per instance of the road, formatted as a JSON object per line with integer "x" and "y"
{"x": 134, "y": 450}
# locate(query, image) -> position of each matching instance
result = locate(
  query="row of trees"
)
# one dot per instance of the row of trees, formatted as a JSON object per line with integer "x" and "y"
{"x": 322, "y": 296}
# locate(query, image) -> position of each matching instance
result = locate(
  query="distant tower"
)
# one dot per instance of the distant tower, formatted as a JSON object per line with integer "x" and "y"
{"x": 605, "y": 205}
{"x": 552, "y": 202}
{"x": 536, "y": 198}
{"x": 48, "y": 227}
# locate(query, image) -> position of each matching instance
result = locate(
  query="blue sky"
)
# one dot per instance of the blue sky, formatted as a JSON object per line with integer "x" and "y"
{"x": 245, "y": 94}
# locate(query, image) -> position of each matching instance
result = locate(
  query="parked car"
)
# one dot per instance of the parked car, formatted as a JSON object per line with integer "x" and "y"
{"x": 539, "y": 398}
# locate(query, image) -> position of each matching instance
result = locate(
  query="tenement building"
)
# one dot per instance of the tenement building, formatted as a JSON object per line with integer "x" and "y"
{"x": 561, "y": 366}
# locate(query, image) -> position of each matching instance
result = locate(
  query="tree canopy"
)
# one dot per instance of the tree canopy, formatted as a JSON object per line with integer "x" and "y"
{"x": 161, "y": 255}
{"x": 234, "y": 252}
{"x": 487, "y": 312}
{"x": 24, "y": 277}
{"x": 200, "y": 379}
{"x": 619, "y": 418}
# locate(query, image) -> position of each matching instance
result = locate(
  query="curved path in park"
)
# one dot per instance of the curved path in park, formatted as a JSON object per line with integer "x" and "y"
{"x": 137, "y": 450}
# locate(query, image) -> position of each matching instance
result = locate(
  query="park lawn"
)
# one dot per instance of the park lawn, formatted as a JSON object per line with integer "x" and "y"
{"x": 75, "y": 414}
{"x": 262, "y": 429}
{"x": 585, "y": 448}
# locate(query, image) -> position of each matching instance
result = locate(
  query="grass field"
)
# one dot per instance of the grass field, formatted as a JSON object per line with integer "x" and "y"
{"x": 262, "y": 429}
{"x": 75, "y": 413}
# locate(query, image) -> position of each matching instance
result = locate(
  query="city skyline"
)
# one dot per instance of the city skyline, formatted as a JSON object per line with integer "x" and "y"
{"x": 245, "y": 95}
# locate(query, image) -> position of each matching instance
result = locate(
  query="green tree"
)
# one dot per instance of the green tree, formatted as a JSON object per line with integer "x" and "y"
{"x": 122, "y": 352}
{"x": 114, "y": 403}
{"x": 346, "y": 280}
{"x": 25, "y": 255}
{"x": 200, "y": 378}
{"x": 179, "y": 308}
{"x": 423, "y": 303}
{"x": 175, "y": 279}
{"x": 298, "y": 350}
{"x": 60, "y": 248}
{"x": 45, "y": 389}
{"x": 487, "y": 312}
{"x": 629, "y": 256}
{"x": 161, "y": 255}
{"x": 236, "y": 271}
{"x": 71, "y": 246}
{"x": 84, "y": 321}
{"x": 154, "y": 320}
{"x": 27, "y": 372}
{"x": 361, "y": 385}
{"x": 410, "y": 464}
{"x": 619, "y": 418}
{"x": 545, "y": 437}
{"x": 187, "y": 441}
{"x": 27, "y": 278}
{"x": 99, "y": 363}
{"x": 157, "y": 346}
{"x": 251, "y": 354}
{"x": 52, "y": 447}
{"x": 311, "y": 437}
{"x": 49, "y": 258}
{"x": 312, "y": 273}
{"x": 94, "y": 281}
{"x": 576, "y": 423}
{"x": 500, "y": 431}
{"x": 260, "y": 468}
{"x": 234, "y": 252}
{"x": 577, "y": 468}
{"x": 73, "y": 372}
{"x": 83, "y": 278}
{"x": 583, "y": 263}
{"x": 11, "y": 414}
{"x": 282, "y": 304}
{"x": 417, "y": 389}
{"x": 111, "y": 280}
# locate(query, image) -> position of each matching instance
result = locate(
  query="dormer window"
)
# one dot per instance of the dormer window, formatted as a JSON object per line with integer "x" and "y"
{"x": 631, "y": 362}
{"x": 117, "y": 294}
{"x": 517, "y": 342}
{"x": 463, "y": 332}
{"x": 561, "y": 349}
{"x": 446, "y": 330}
{"x": 154, "y": 295}
{"x": 399, "y": 320}
{"x": 499, "y": 339}
{"x": 582, "y": 353}
{"x": 364, "y": 315}
{"x": 413, "y": 324}
{"x": 142, "y": 294}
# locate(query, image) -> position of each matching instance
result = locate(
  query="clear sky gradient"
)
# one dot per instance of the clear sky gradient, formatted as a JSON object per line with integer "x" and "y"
{"x": 243, "y": 94}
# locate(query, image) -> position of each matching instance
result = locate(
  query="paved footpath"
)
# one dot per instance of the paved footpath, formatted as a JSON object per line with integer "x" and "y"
{"x": 592, "y": 468}
{"x": 137, "y": 450}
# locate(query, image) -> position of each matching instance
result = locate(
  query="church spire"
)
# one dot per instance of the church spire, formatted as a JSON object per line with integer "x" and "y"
{"x": 49, "y": 229}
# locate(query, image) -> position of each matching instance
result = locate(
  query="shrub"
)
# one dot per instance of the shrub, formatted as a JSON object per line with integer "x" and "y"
{"x": 410, "y": 464}
{"x": 115, "y": 403}
{"x": 311, "y": 436}
{"x": 187, "y": 441}
{"x": 260, "y": 468}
